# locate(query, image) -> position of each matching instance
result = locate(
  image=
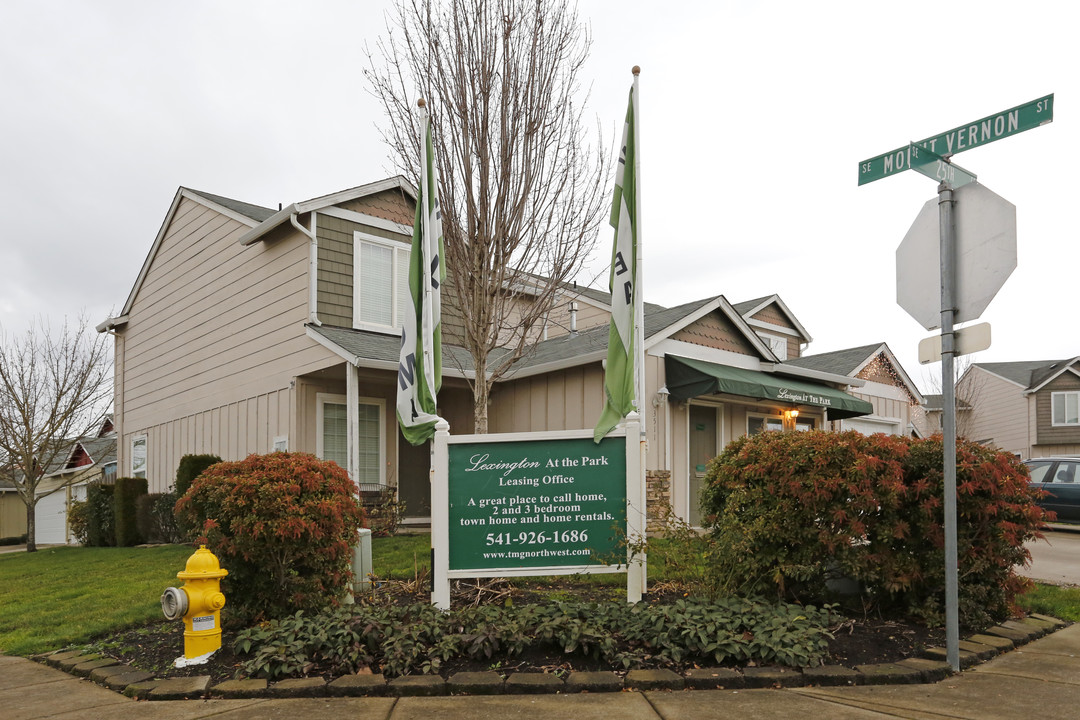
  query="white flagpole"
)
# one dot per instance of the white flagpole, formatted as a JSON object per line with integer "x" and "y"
{"x": 425, "y": 180}
{"x": 639, "y": 332}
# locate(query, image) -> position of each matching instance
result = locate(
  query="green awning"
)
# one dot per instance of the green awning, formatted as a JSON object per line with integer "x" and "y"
{"x": 688, "y": 378}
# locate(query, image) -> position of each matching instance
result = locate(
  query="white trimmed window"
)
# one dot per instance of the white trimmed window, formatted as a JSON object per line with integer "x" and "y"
{"x": 1065, "y": 408}
{"x": 774, "y": 423}
{"x": 380, "y": 282}
{"x": 332, "y": 435}
{"x": 138, "y": 456}
{"x": 776, "y": 343}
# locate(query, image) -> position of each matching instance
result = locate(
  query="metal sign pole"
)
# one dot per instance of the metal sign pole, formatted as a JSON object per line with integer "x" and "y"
{"x": 948, "y": 402}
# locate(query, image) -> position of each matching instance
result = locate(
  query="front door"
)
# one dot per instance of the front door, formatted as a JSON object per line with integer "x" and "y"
{"x": 702, "y": 450}
{"x": 414, "y": 483}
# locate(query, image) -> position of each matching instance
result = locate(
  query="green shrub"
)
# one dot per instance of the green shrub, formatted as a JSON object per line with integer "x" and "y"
{"x": 156, "y": 519}
{"x": 398, "y": 640}
{"x": 792, "y": 513}
{"x": 283, "y": 525}
{"x": 14, "y": 540}
{"x": 126, "y": 491}
{"x": 100, "y": 525}
{"x": 79, "y": 520}
{"x": 190, "y": 467}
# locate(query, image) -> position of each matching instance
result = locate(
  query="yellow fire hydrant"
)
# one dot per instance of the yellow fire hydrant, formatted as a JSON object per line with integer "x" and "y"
{"x": 199, "y": 602}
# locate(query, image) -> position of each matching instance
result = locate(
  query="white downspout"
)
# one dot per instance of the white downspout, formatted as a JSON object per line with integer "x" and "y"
{"x": 313, "y": 268}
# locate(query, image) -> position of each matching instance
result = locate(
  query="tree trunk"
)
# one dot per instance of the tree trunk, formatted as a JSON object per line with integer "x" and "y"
{"x": 31, "y": 543}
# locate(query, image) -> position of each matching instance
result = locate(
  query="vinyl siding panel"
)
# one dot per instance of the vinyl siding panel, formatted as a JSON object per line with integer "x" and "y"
{"x": 999, "y": 411}
{"x": 214, "y": 327}
{"x": 232, "y": 432}
{"x": 568, "y": 399}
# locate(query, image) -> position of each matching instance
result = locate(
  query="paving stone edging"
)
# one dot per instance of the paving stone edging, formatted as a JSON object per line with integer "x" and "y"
{"x": 931, "y": 667}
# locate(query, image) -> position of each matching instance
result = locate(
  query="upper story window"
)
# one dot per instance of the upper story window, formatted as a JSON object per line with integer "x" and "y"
{"x": 380, "y": 282}
{"x": 777, "y": 344}
{"x": 1065, "y": 408}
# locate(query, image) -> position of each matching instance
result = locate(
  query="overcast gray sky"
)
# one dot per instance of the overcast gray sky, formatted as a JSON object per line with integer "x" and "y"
{"x": 754, "y": 119}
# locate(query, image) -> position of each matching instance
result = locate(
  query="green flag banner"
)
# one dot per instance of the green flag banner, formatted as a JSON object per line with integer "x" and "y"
{"x": 420, "y": 368}
{"x": 619, "y": 374}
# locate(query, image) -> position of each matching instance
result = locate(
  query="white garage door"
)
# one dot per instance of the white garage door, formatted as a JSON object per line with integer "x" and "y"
{"x": 50, "y": 517}
{"x": 868, "y": 427}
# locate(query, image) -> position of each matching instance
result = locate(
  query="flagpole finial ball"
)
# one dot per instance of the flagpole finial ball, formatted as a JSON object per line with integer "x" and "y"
{"x": 420, "y": 102}
{"x": 636, "y": 70}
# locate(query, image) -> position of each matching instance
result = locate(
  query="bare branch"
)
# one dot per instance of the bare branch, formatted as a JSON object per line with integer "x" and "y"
{"x": 521, "y": 182}
{"x": 54, "y": 388}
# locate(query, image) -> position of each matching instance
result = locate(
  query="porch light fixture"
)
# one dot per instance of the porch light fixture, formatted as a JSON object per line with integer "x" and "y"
{"x": 661, "y": 396}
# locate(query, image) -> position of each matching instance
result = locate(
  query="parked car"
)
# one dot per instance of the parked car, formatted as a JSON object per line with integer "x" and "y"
{"x": 1059, "y": 476}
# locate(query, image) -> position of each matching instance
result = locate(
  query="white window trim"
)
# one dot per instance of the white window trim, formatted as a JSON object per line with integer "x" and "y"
{"x": 284, "y": 440}
{"x": 1053, "y": 399}
{"x": 322, "y": 399}
{"x": 146, "y": 455}
{"x": 395, "y": 320}
{"x": 769, "y": 337}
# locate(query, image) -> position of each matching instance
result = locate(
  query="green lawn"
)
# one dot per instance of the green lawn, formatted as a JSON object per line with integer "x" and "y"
{"x": 60, "y": 596}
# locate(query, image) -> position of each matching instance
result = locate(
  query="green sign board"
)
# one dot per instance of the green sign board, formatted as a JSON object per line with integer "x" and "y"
{"x": 537, "y": 503}
{"x": 935, "y": 167}
{"x": 988, "y": 129}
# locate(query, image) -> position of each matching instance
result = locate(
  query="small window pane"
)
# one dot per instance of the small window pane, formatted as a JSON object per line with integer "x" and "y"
{"x": 335, "y": 434}
{"x": 138, "y": 457}
{"x": 376, "y": 283}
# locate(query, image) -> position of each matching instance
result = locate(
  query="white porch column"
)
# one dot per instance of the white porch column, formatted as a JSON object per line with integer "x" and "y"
{"x": 352, "y": 411}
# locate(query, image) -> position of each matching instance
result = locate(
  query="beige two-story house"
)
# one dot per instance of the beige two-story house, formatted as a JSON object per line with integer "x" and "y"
{"x": 250, "y": 330}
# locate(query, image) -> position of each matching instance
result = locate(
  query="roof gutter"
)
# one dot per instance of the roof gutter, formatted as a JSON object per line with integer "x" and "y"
{"x": 313, "y": 266}
{"x": 795, "y": 371}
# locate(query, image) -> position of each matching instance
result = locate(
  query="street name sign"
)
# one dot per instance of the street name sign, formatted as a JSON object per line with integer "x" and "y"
{"x": 934, "y": 166}
{"x": 985, "y": 256}
{"x": 986, "y": 130}
{"x": 972, "y": 339}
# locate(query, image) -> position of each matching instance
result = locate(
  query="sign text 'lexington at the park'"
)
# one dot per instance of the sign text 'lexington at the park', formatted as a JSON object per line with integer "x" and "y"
{"x": 537, "y": 504}
{"x": 980, "y": 132}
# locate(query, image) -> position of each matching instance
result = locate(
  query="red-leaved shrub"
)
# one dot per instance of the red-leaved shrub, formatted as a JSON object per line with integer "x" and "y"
{"x": 796, "y": 513}
{"x": 283, "y": 525}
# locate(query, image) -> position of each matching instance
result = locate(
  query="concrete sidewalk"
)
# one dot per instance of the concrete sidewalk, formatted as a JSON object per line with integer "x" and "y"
{"x": 1040, "y": 679}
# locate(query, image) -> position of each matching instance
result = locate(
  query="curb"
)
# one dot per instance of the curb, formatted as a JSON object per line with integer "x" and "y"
{"x": 929, "y": 668}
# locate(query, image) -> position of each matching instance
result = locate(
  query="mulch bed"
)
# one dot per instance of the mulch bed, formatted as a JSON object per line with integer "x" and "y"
{"x": 861, "y": 641}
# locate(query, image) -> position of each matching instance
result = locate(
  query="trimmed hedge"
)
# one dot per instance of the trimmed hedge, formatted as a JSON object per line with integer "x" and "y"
{"x": 190, "y": 467}
{"x": 283, "y": 525}
{"x": 126, "y": 493}
{"x": 792, "y": 513}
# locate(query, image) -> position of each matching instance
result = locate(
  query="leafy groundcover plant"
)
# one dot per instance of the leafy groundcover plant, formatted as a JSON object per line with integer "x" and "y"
{"x": 418, "y": 638}
{"x": 794, "y": 514}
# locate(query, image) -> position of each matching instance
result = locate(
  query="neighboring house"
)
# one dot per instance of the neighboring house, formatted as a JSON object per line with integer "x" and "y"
{"x": 887, "y": 387}
{"x": 88, "y": 460}
{"x": 929, "y": 418}
{"x": 12, "y": 511}
{"x": 250, "y": 330}
{"x": 1029, "y": 408}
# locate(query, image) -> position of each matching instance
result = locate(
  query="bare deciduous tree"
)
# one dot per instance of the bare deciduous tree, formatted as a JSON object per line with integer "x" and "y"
{"x": 521, "y": 186}
{"x": 54, "y": 387}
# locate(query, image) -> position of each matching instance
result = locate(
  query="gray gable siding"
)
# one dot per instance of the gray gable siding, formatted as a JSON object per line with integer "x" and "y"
{"x": 1046, "y": 433}
{"x": 335, "y": 298}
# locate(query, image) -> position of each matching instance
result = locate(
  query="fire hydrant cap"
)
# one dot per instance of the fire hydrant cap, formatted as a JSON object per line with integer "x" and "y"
{"x": 202, "y": 565}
